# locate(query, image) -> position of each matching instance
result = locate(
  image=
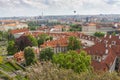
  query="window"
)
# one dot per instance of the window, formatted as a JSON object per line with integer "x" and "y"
{"x": 95, "y": 57}
{"x": 113, "y": 42}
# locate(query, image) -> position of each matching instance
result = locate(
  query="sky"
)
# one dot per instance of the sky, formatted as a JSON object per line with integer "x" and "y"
{"x": 10, "y": 8}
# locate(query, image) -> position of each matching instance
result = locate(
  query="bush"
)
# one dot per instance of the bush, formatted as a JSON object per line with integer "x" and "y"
{"x": 49, "y": 71}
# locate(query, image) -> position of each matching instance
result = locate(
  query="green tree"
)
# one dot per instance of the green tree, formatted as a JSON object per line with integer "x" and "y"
{"x": 114, "y": 33}
{"x": 11, "y": 48}
{"x": 33, "y": 25}
{"x": 11, "y": 37}
{"x": 72, "y": 60}
{"x": 33, "y": 40}
{"x": 75, "y": 27}
{"x": 51, "y": 38}
{"x": 1, "y": 59}
{"x": 29, "y": 55}
{"x": 3, "y": 35}
{"x": 73, "y": 43}
{"x": 46, "y": 54}
{"x": 42, "y": 38}
{"x": 99, "y": 34}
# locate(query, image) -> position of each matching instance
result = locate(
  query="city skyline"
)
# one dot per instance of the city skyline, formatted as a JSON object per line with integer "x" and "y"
{"x": 9, "y": 8}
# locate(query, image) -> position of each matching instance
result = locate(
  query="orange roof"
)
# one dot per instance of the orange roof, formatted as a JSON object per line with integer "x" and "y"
{"x": 9, "y": 21}
{"x": 11, "y": 25}
{"x": 19, "y": 30}
{"x": 19, "y": 56}
{"x": 55, "y": 43}
{"x": 91, "y": 24}
{"x": 99, "y": 50}
{"x": 58, "y": 26}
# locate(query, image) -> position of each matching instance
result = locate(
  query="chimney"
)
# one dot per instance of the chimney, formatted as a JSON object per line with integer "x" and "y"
{"x": 105, "y": 35}
{"x": 119, "y": 36}
{"x": 106, "y": 45}
{"x": 110, "y": 36}
{"x": 110, "y": 45}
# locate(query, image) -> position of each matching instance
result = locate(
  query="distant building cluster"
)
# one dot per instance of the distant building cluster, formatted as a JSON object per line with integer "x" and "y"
{"x": 6, "y": 25}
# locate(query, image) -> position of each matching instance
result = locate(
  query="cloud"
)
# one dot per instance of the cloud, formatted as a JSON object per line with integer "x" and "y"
{"x": 36, "y": 7}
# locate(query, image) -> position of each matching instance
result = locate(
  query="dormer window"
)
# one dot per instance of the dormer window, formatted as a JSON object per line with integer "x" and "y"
{"x": 100, "y": 40}
{"x": 95, "y": 57}
{"x": 106, "y": 51}
{"x": 113, "y": 42}
{"x": 105, "y": 41}
{"x": 99, "y": 60}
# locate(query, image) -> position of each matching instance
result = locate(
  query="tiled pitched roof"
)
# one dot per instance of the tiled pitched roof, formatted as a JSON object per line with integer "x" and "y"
{"x": 110, "y": 39}
{"x": 116, "y": 49}
{"x": 55, "y": 43}
{"x": 99, "y": 50}
{"x": 19, "y": 56}
{"x": 104, "y": 65}
{"x": 19, "y": 30}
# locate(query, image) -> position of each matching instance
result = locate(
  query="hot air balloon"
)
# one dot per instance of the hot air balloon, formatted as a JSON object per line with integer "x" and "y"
{"x": 74, "y": 11}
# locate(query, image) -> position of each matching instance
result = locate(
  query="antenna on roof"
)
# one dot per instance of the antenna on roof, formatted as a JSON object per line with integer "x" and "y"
{"x": 42, "y": 15}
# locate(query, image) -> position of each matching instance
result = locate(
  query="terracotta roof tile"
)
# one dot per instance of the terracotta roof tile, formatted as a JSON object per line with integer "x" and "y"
{"x": 19, "y": 30}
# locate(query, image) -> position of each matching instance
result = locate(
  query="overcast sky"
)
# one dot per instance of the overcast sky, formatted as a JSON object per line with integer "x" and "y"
{"x": 58, "y": 7}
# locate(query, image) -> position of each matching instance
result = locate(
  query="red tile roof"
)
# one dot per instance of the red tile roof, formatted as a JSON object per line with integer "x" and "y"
{"x": 99, "y": 50}
{"x": 110, "y": 39}
{"x": 19, "y": 56}
{"x": 55, "y": 43}
{"x": 19, "y": 30}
